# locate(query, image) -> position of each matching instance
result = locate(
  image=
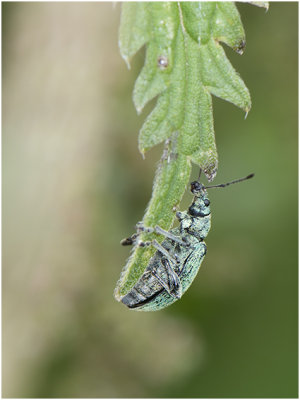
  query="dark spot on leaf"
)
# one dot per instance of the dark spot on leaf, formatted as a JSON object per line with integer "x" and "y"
{"x": 162, "y": 62}
{"x": 241, "y": 46}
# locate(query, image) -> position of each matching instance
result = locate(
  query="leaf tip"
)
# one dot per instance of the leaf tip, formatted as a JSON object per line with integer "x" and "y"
{"x": 142, "y": 151}
{"x": 117, "y": 295}
{"x": 248, "y": 107}
{"x": 139, "y": 109}
{"x": 138, "y": 104}
{"x": 127, "y": 61}
{"x": 210, "y": 172}
{"x": 263, "y": 4}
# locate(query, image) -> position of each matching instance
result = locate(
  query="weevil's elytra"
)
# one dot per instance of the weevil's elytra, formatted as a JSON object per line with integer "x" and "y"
{"x": 177, "y": 260}
{"x": 169, "y": 275}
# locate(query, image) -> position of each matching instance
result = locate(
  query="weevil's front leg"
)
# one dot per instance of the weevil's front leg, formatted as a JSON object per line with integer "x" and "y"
{"x": 157, "y": 229}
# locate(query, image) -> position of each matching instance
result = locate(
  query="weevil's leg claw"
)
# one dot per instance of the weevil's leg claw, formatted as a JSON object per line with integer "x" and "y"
{"x": 130, "y": 240}
{"x": 126, "y": 242}
{"x": 133, "y": 238}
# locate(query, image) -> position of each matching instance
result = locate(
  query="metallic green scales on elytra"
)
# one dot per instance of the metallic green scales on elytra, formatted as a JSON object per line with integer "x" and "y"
{"x": 177, "y": 260}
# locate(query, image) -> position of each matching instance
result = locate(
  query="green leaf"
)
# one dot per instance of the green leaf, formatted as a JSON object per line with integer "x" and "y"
{"x": 185, "y": 35}
{"x": 185, "y": 65}
{"x": 169, "y": 185}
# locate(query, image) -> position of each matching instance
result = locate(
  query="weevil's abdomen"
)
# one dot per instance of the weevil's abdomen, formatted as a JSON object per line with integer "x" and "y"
{"x": 147, "y": 286}
{"x": 143, "y": 290}
{"x": 149, "y": 295}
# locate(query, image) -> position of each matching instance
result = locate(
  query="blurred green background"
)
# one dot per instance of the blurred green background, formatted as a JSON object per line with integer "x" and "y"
{"x": 74, "y": 184}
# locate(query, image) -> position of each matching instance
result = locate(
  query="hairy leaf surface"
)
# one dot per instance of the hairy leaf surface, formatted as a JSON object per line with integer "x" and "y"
{"x": 185, "y": 65}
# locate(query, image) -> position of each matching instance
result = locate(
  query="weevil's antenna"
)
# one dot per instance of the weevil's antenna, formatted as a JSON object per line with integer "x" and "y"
{"x": 230, "y": 183}
{"x": 198, "y": 180}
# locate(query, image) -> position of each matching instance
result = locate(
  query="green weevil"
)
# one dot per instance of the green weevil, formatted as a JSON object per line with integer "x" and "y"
{"x": 178, "y": 258}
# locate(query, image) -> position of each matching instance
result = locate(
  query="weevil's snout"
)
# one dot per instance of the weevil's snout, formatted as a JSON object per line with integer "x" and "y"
{"x": 196, "y": 187}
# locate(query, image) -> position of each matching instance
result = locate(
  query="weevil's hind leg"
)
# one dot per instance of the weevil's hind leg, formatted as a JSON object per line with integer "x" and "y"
{"x": 168, "y": 278}
{"x": 164, "y": 271}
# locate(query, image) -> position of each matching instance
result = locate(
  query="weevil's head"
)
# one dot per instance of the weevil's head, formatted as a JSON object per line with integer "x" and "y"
{"x": 200, "y": 206}
{"x": 197, "y": 188}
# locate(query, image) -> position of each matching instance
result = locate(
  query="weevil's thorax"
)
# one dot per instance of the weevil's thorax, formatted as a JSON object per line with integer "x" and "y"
{"x": 197, "y": 222}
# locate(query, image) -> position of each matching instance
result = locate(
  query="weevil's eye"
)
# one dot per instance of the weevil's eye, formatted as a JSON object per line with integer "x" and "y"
{"x": 206, "y": 202}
